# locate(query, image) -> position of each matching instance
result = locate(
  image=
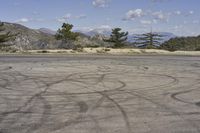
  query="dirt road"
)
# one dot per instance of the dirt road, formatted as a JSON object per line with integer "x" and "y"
{"x": 99, "y": 94}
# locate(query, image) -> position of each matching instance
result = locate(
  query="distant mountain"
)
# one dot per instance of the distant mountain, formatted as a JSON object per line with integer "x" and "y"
{"x": 47, "y": 31}
{"x": 97, "y": 31}
{"x": 106, "y": 32}
{"x": 167, "y": 35}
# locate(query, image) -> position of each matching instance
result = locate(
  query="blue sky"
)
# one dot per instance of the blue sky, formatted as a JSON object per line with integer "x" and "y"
{"x": 181, "y": 17}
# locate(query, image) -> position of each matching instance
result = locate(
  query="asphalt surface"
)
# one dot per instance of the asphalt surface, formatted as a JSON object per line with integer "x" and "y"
{"x": 99, "y": 94}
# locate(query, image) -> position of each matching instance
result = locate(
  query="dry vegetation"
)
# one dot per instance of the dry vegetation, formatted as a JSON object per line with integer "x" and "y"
{"x": 125, "y": 51}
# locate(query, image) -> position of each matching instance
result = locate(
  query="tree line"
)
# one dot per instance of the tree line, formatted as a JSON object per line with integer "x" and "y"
{"x": 119, "y": 39}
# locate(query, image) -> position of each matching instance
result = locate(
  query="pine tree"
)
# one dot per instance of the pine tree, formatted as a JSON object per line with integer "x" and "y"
{"x": 118, "y": 38}
{"x": 149, "y": 40}
{"x": 65, "y": 34}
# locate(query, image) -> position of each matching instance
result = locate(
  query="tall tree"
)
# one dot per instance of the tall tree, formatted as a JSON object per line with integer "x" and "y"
{"x": 65, "y": 34}
{"x": 148, "y": 40}
{"x": 4, "y": 37}
{"x": 117, "y": 37}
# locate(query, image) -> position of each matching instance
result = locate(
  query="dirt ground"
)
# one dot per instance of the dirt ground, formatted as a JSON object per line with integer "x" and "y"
{"x": 99, "y": 94}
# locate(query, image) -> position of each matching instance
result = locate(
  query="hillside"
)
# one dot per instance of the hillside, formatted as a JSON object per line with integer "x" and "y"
{"x": 31, "y": 39}
{"x": 182, "y": 43}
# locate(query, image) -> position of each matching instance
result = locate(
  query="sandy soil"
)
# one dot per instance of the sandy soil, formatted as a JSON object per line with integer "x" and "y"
{"x": 99, "y": 94}
{"x": 118, "y": 51}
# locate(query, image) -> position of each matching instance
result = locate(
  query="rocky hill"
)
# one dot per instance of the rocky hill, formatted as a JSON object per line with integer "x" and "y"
{"x": 27, "y": 38}
{"x": 31, "y": 39}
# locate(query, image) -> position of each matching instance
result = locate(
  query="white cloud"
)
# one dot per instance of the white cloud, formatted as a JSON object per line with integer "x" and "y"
{"x": 132, "y": 14}
{"x": 160, "y": 16}
{"x": 177, "y": 12}
{"x": 191, "y": 12}
{"x": 23, "y": 20}
{"x": 155, "y": 21}
{"x": 155, "y": 16}
{"x": 82, "y": 16}
{"x": 105, "y": 27}
{"x": 67, "y": 16}
{"x": 64, "y": 18}
{"x": 100, "y": 3}
{"x": 146, "y": 22}
{"x": 61, "y": 20}
{"x": 177, "y": 27}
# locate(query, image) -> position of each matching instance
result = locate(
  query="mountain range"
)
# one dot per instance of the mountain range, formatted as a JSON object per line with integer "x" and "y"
{"x": 166, "y": 35}
{"x": 47, "y": 31}
{"x": 107, "y": 32}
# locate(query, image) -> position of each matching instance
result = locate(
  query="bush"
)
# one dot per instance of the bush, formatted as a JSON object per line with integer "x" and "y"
{"x": 104, "y": 50}
{"x": 93, "y": 46}
{"x": 197, "y": 49}
{"x": 107, "y": 49}
{"x": 43, "y": 51}
{"x": 78, "y": 48}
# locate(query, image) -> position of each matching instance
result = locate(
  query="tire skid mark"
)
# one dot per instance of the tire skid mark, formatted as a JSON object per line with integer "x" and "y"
{"x": 174, "y": 112}
{"x": 46, "y": 110}
{"x": 36, "y": 96}
{"x": 28, "y": 102}
{"x": 84, "y": 108}
{"x": 170, "y": 84}
{"x": 175, "y": 95}
{"x": 100, "y": 80}
{"x": 123, "y": 112}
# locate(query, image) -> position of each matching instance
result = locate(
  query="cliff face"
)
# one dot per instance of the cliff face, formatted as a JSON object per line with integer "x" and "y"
{"x": 29, "y": 38}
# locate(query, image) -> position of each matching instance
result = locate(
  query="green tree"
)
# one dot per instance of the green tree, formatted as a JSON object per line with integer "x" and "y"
{"x": 182, "y": 43}
{"x": 117, "y": 37}
{"x": 4, "y": 37}
{"x": 65, "y": 34}
{"x": 149, "y": 40}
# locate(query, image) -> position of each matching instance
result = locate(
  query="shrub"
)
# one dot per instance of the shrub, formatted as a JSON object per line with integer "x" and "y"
{"x": 43, "y": 51}
{"x": 197, "y": 49}
{"x": 107, "y": 49}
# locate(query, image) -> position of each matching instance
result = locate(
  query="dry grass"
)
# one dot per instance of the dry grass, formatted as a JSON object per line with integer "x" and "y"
{"x": 126, "y": 51}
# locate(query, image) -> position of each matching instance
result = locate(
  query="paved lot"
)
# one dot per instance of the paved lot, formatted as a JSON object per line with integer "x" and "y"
{"x": 99, "y": 94}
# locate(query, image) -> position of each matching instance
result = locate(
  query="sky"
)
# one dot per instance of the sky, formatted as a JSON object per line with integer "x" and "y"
{"x": 181, "y": 17}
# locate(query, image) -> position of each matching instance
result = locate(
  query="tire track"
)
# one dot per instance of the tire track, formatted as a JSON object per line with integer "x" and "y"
{"x": 123, "y": 112}
{"x": 174, "y": 112}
